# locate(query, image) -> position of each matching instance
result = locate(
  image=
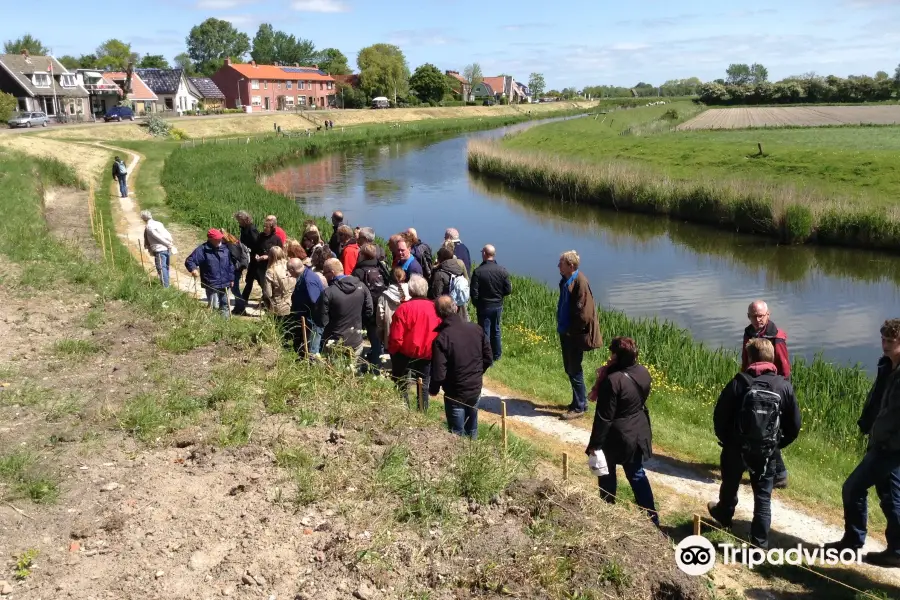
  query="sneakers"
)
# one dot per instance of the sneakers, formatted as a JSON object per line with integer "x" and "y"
{"x": 781, "y": 482}
{"x": 887, "y": 558}
{"x": 713, "y": 510}
{"x": 570, "y": 415}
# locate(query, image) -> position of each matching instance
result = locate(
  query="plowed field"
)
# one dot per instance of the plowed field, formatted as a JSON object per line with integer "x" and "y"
{"x": 794, "y": 116}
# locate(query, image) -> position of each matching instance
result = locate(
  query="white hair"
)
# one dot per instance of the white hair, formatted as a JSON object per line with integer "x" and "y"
{"x": 367, "y": 234}
{"x": 451, "y": 234}
{"x": 418, "y": 286}
{"x": 146, "y": 215}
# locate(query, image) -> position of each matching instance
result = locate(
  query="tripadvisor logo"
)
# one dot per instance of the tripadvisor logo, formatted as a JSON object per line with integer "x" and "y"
{"x": 696, "y": 555}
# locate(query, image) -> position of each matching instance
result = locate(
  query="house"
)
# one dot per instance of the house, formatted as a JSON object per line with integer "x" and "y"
{"x": 41, "y": 83}
{"x": 106, "y": 91}
{"x": 463, "y": 83}
{"x": 210, "y": 94}
{"x": 498, "y": 87}
{"x": 171, "y": 87}
{"x": 274, "y": 87}
{"x": 522, "y": 92}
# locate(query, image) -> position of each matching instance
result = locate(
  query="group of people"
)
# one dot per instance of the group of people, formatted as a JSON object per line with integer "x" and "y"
{"x": 414, "y": 305}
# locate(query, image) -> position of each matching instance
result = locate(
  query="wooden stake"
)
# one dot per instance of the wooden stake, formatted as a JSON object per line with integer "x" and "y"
{"x": 565, "y": 466}
{"x": 419, "y": 393}
{"x": 696, "y": 524}
{"x": 503, "y": 423}
{"x": 141, "y": 252}
{"x": 102, "y": 237}
{"x": 305, "y": 339}
{"x": 112, "y": 257}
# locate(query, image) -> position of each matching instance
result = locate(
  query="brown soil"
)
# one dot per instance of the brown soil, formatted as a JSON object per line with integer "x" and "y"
{"x": 795, "y": 116}
{"x": 68, "y": 217}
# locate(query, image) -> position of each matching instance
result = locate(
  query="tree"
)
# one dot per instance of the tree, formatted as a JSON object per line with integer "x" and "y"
{"x": 115, "y": 54}
{"x": 897, "y": 79}
{"x": 69, "y": 62}
{"x": 350, "y": 97}
{"x": 536, "y": 84}
{"x": 429, "y": 83}
{"x": 758, "y": 73}
{"x": 738, "y": 73}
{"x": 383, "y": 71}
{"x": 154, "y": 61}
{"x": 183, "y": 61}
{"x": 277, "y": 47}
{"x": 214, "y": 40}
{"x": 26, "y": 42}
{"x": 8, "y": 105}
{"x": 472, "y": 74}
{"x": 264, "y": 45}
{"x": 333, "y": 62}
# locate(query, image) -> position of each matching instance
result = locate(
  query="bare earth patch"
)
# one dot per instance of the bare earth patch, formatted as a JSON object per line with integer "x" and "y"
{"x": 794, "y": 116}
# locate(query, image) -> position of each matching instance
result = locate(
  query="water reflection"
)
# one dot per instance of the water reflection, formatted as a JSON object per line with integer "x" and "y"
{"x": 828, "y": 299}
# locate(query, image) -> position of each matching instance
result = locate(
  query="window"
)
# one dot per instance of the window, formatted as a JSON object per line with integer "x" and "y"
{"x": 41, "y": 80}
{"x": 277, "y": 85}
{"x": 256, "y": 100}
{"x": 254, "y": 84}
{"x": 265, "y": 85}
{"x": 290, "y": 85}
{"x": 67, "y": 80}
{"x": 330, "y": 85}
{"x": 289, "y": 100}
{"x": 170, "y": 105}
{"x": 301, "y": 100}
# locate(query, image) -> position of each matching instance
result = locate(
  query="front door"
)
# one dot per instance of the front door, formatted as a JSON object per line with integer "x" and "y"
{"x": 266, "y": 101}
{"x": 49, "y": 106}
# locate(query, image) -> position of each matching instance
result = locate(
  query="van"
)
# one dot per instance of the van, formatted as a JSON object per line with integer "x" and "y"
{"x": 380, "y": 102}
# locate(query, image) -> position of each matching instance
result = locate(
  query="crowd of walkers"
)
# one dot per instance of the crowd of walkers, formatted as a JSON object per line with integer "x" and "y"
{"x": 411, "y": 306}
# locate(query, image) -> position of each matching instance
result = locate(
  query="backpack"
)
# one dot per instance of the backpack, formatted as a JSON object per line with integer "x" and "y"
{"x": 373, "y": 278}
{"x": 244, "y": 260}
{"x": 459, "y": 290}
{"x": 759, "y": 421}
{"x": 120, "y": 166}
{"x": 422, "y": 252}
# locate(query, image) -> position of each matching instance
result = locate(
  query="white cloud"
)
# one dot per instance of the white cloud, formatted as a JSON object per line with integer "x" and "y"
{"x": 629, "y": 46}
{"x": 320, "y": 6}
{"x": 222, "y": 4}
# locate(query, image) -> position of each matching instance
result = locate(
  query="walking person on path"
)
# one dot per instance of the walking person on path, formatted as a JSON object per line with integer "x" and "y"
{"x": 240, "y": 258}
{"x": 411, "y": 336}
{"x": 577, "y": 326}
{"x": 158, "y": 242}
{"x": 211, "y": 262}
{"x": 120, "y": 174}
{"x": 259, "y": 258}
{"x": 761, "y": 326}
{"x": 880, "y": 466}
{"x": 460, "y": 250}
{"x": 307, "y": 291}
{"x": 460, "y": 355}
{"x": 622, "y": 425}
{"x": 489, "y": 286}
{"x": 343, "y": 308}
{"x": 755, "y": 415}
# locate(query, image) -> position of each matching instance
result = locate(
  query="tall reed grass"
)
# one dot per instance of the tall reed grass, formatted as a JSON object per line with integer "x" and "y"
{"x": 791, "y": 214}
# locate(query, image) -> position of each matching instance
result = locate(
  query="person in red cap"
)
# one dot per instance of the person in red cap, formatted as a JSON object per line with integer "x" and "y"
{"x": 212, "y": 263}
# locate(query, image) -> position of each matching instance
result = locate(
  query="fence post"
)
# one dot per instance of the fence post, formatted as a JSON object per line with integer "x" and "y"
{"x": 565, "y": 466}
{"x": 419, "y": 394}
{"x": 503, "y": 423}
{"x": 696, "y": 524}
{"x": 305, "y": 339}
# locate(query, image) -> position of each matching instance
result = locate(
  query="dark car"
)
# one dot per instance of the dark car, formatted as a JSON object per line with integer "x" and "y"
{"x": 119, "y": 113}
{"x": 488, "y": 102}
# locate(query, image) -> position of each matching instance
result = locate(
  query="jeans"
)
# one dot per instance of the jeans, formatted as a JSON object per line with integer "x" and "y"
{"x": 780, "y": 469}
{"x": 762, "y": 479}
{"x": 161, "y": 260}
{"x": 572, "y": 356}
{"x": 489, "y": 319}
{"x": 313, "y": 335}
{"x": 254, "y": 273}
{"x": 640, "y": 485}
{"x": 882, "y": 470}
{"x": 123, "y": 186}
{"x": 218, "y": 298}
{"x": 377, "y": 349}
{"x": 404, "y": 368}
{"x": 462, "y": 419}
{"x": 239, "y": 304}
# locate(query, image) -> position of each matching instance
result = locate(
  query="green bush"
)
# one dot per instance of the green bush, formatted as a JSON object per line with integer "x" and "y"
{"x": 8, "y": 106}
{"x": 796, "y": 224}
{"x": 158, "y": 127}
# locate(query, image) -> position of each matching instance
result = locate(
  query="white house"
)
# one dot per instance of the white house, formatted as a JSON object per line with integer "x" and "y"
{"x": 172, "y": 88}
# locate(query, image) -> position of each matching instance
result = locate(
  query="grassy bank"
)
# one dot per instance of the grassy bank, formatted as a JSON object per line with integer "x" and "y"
{"x": 831, "y": 186}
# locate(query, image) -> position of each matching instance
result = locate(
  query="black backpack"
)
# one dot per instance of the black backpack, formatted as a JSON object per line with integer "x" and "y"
{"x": 376, "y": 280}
{"x": 422, "y": 252}
{"x": 759, "y": 421}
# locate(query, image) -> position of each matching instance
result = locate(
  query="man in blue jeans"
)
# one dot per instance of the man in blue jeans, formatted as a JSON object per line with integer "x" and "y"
{"x": 577, "y": 326}
{"x": 490, "y": 285}
{"x": 211, "y": 262}
{"x": 120, "y": 174}
{"x": 158, "y": 242}
{"x": 880, "y": 467}
{"x": 460, "y": 354}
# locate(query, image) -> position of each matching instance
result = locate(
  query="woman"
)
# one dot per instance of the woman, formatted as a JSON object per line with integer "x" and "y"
{"x": 319, "y": 256}
{"x": 311, "y": 240}
{"x": 393, "y": 296}
{"x": 293, "y": 249}
{"x": 622, "y": 424}
{"x": 279, "y": 285}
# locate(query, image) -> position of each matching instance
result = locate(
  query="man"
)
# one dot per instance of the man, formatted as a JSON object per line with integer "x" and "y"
{"x": 211, "y": 262}
{"x": 375, "y": 276}
{"x": 365, "y": 236}
{"x": 409, "y": 341}
{"x": 349, "y": 248}
{"x": 762, "y": 327}
{"x": 460, "y": 249}
{"x": 337, "y": 219}
{"x": 158, "y": 242}
{"x": 343, "y": 308}
{"x": 459, "y": 357}
{"x": 249, "y": 237}
{"x": 406, "y": 261}
{"x": 282, "y": 235}
{"x": 259, "y": 258}
{"x": 880, "y": 466}
{"x": 755, "y": 415}
{"x": 306, "y": 295}
{"x": 490, "y": 285}
{"x": 422, "y": 252}
{"x": 577, "y": 326}
{"x": 120, "y": 174}
{"x": 395, "y": 253}
{"x": 450, "y": 279}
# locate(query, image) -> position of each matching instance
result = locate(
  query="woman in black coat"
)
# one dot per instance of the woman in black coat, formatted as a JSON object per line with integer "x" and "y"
{"x": 622, "y": 424}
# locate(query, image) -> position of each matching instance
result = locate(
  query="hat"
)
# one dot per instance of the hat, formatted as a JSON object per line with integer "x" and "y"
{"x": 214, "y": 234}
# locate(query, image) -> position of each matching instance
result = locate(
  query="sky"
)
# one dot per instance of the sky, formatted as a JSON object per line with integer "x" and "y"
{"x": 574, "y": 44}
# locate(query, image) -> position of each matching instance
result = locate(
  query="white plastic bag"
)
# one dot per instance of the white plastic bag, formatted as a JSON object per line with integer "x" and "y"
{"x": 597, "y": 463}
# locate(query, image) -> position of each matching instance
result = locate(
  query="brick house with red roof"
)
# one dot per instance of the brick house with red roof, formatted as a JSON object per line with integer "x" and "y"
{"x": 274, "y": 87}
{"x": 463, "y": 84}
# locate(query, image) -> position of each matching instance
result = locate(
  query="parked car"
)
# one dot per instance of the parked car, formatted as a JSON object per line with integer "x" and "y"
{"x": 381, "y": 102}
{"x": 28, "y": 119}
{"x": 488, "y": 102}
{"x": 119, "y": 113}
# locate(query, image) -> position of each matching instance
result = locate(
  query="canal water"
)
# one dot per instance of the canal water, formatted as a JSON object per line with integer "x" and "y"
{"x": 829, "y": 300}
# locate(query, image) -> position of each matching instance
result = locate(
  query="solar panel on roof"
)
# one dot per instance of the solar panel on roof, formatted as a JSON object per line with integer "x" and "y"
{"x": 295, "y": 70}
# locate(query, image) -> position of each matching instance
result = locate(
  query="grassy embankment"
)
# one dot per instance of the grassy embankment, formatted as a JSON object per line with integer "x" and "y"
{"x": 823, "y": 185}
{"x": 205, "y": 185}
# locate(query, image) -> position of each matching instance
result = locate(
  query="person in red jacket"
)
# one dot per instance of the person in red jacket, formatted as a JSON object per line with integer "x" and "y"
{"x": 761, "y": 326}
{"x": 413, "y": 331}
{"x": 349, "y": 248}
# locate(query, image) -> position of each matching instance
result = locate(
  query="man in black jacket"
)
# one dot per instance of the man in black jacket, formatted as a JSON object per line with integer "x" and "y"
{"x": 490, "y": 285}
{"x": 460, "y": 355}
{"x": 263, "y": 241}
{"x": 343, "y": 308}
{"x": 745, "y": 419}
{"x": 337, "y": 219}
{"x": 880, "y": 467}
{"x": 250, "y": 238}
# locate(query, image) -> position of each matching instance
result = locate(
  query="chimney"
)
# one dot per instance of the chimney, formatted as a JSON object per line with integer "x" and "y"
{"x": 228, "y": 61}
{"x": 253, "y": 63}
{"x": 315, "y": 66}
{"x": 25, "y": 52}
{"x": 296, "y": 64}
